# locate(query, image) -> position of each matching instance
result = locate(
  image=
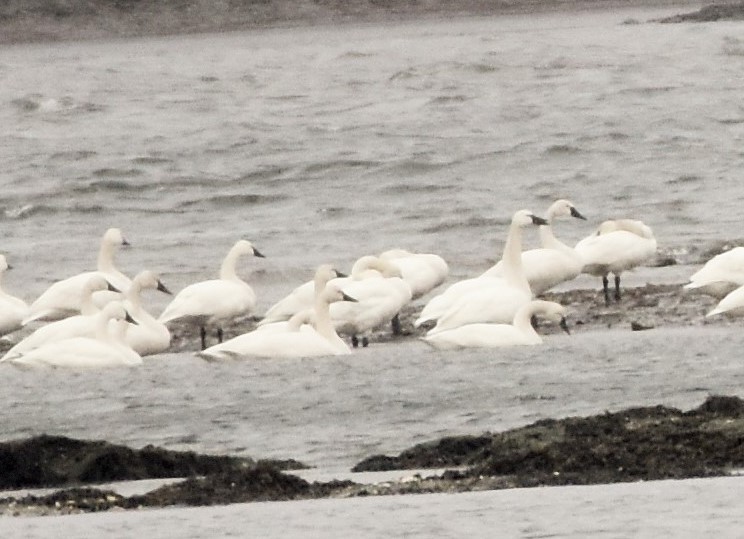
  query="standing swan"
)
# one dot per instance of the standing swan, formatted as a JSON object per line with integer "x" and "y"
{"x": 62, "y": 299}
{"x": 12, "y": 309}
{"x": 295, "y": 339}
{"x": 486, "y": 298}
{"x": 519, "y": 333}
{"x": 106, "y": 349}
{"x": 555, "y": 262}
{"x": 215, "y": 302}
{"x": 615, "y": 247}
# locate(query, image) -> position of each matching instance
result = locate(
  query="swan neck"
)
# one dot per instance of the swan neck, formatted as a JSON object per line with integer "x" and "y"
{"x": 523, "y": 322}
{"x": 323, "y": 322}
{"x": 228, "y": 267}
{"x": 106, "y": 256}
{"x": 512, "y": 258}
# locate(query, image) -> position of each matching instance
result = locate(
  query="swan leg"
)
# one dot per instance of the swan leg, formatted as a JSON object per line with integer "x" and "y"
{"x": 606, "y": 289}
{"x": 219, "y": 334}
{"x": 203, "y": 332}
{"x": 365, "y": 342}
{"x": 617, "y": 288}
{"x": 354, "y": 341}
{"x": 395, "y": 325}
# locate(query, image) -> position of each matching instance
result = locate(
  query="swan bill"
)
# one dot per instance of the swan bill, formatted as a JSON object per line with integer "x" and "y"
{"x": 539, "y": 221}
{"x": 575, "y": 213}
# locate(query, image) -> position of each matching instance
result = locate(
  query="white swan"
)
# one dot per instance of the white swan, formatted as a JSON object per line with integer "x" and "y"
{"x": 215, "y": 302}
{"x": 486, "y": 298}
{"x": 62, "y": 299}
{"x": 555, "y": 262}
{"x": 422, "y": 271}
{"x": 380, "y": 292}
{"x": 519, "y": 333}
{"x": 148, "y": 336}
{"x": 300, "y": 299}
{"x": 12, "y": 309}
{"x": 81, "y": 325}
{"x": 106, "y": 349}
{"x": 720, "y": 275}
{"x": 616, "y": 246}
{"x": 294, "y": 338}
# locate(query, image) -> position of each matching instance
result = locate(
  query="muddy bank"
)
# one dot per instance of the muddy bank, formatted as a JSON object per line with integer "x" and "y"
{"x": 647, "y": 443}
{"x": 57, "y": 20}
{"x": 711, "y": 13}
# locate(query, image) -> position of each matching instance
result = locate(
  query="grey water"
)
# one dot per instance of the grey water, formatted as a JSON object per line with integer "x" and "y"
{"x": 323, "y": 144}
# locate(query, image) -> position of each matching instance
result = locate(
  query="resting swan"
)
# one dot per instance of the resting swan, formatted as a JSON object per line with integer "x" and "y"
{"x": 62, "y": 299}
{"x": 555, "y": 262}
{"x": 486, "y": 298}
{"x": 12, "y": 309}
{"x": 422, "y": 271}
{"x": 731, "y": 305}
{"x": 80, "y": 325}
{"x": 720, "y": 275}
{"x": 295, "y": 338}
{"x": 106, "y": 349}
{"x": 217, "y": 301}
{"x": 519, "y": 333}
{"x": 616, "y": 246}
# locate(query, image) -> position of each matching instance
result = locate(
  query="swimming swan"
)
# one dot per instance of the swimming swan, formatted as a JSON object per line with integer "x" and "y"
{"x": 487, "y": 298}
{"x": 106, "y": 349}
{"x": 62, "y": 299}
{"x": 519, "y": 333}
{"x": 12, "y": 309}
{"x": 720, "y": 275}
{"x": 215, "y": 302}
{"x": 295, "y": 338}
{"x": 148, "y": 336}
{"x": 616, "y": 246}
{"x": 555, "y": 262}
{"x": 80, "y": 325}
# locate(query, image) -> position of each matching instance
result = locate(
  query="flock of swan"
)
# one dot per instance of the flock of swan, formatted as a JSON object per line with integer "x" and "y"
{"x": 96, "y": 318}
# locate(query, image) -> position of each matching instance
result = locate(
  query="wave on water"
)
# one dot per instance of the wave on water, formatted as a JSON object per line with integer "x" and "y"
{"x": 237, "y": 200}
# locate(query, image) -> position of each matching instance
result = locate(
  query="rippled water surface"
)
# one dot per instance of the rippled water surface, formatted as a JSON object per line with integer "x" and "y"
{"x": 324, "y": 144}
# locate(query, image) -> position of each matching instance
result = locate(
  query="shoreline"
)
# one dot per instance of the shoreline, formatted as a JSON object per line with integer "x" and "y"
{"x": 79, "y": 20}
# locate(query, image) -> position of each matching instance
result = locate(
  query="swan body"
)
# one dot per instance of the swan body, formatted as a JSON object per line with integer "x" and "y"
{"x": 13, "y": 310}
{"x": 486, "y": 298}
{"x": 423, "y": 272}
{"x": 519, "y": 333}
{"x": 62, "y": 299}
{"x": 80, "y": 325}
{"x": 215, "y": 302}
{"x": 616, "y": 246}
{"x": 148, "y": 336}
{"x": 721, "y": 275}
{"x": 555, "y": 262}
{"x": 294, "y": 338}
{"x": 106, "y": 349}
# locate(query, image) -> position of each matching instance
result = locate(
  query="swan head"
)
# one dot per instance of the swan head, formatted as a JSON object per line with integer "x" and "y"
{"x": 114, "y": 236}
{"x": 552, "y": 311}
{"x": 629, "y": 225}
{"x": 524, "y": 218}
{"x": 564, "y": 208}
{"x": 98, "y": 282}
{"x": 333, "y": 293}
{"x": 150, "y": 279}
{"x": 392, "y": 254}
{"x": 244, "y": 247}
{"x": 115, "y": 310}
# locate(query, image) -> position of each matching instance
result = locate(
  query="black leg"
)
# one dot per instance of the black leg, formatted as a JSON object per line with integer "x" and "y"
{"x": 617, "y": 288}
{"x": 219, "y": 334}
{"x": 204, "y": 338}
{"x": 354, "y": 341}
{"x": 395, "y": 324}
{"x": 606, "y": 288}
{"x": 365, "y": 342}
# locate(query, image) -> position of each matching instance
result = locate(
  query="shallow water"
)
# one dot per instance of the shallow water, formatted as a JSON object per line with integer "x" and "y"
{"x": 324, "y": 144}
